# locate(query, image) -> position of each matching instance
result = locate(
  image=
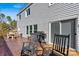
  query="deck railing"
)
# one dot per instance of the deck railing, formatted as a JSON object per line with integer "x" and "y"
{"x": 61, "y": 44}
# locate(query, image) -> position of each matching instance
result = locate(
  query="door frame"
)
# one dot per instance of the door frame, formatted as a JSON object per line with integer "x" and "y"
{"x": 49, "y": 26}
{"x": 49, "y": 36}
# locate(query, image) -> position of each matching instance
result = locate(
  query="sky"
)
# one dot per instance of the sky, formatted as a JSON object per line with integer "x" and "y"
{"x": 11, "y": 9}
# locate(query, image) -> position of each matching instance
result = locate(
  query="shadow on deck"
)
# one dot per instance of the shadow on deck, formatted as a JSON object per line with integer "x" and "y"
{"x": 4, "y": 49}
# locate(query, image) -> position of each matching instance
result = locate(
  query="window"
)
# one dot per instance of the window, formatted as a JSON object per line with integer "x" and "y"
{"x": 28, "y": 12}
{"x": 20, "y": 17}
{"x": 27, "y": 29}
{"x": 35, "y": 28}
{"x": 30, "y": 29}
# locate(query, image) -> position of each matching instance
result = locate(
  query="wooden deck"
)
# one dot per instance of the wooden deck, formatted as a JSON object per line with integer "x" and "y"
{"x": 72, "y": 52}
{"x": 16, "y": 45}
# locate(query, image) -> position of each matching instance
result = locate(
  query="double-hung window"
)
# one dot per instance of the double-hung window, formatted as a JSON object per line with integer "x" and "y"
{"x": 30, "y": 29}
{"x": 35, "y": 28}
{"x": 28, "y": 12}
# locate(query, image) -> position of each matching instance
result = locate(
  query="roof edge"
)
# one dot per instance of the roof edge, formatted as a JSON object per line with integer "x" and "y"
{"x": 24, "y": 9}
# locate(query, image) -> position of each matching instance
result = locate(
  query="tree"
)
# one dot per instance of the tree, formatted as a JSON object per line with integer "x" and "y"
{"x": 9, "y": 18}
{"x": 3, "y": 29}
{"x": 13, "y": 24}
{"x": 2, "y": 16}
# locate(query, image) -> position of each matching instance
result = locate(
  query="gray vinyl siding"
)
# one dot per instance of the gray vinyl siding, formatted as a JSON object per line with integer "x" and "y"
{"x": 41, "y": 14}
{"x": 38, "y": 15}
{"x": 63, "y": 11}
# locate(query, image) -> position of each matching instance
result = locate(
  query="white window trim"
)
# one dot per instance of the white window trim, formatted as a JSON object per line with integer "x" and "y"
{"x": 32, "y": 29}
{"x": 25, "y": 13}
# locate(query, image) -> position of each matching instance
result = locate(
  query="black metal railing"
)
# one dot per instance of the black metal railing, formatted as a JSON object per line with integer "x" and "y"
{"x": 61, "y": 44}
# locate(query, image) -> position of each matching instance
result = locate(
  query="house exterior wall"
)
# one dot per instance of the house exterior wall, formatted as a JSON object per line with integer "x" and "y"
{"x": 64, "y": 12}
{"x": 38, "y": 15}
{"x": 42, "y": 14}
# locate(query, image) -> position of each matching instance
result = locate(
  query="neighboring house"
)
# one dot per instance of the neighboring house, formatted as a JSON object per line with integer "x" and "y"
{"x": 51, "y": 18}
